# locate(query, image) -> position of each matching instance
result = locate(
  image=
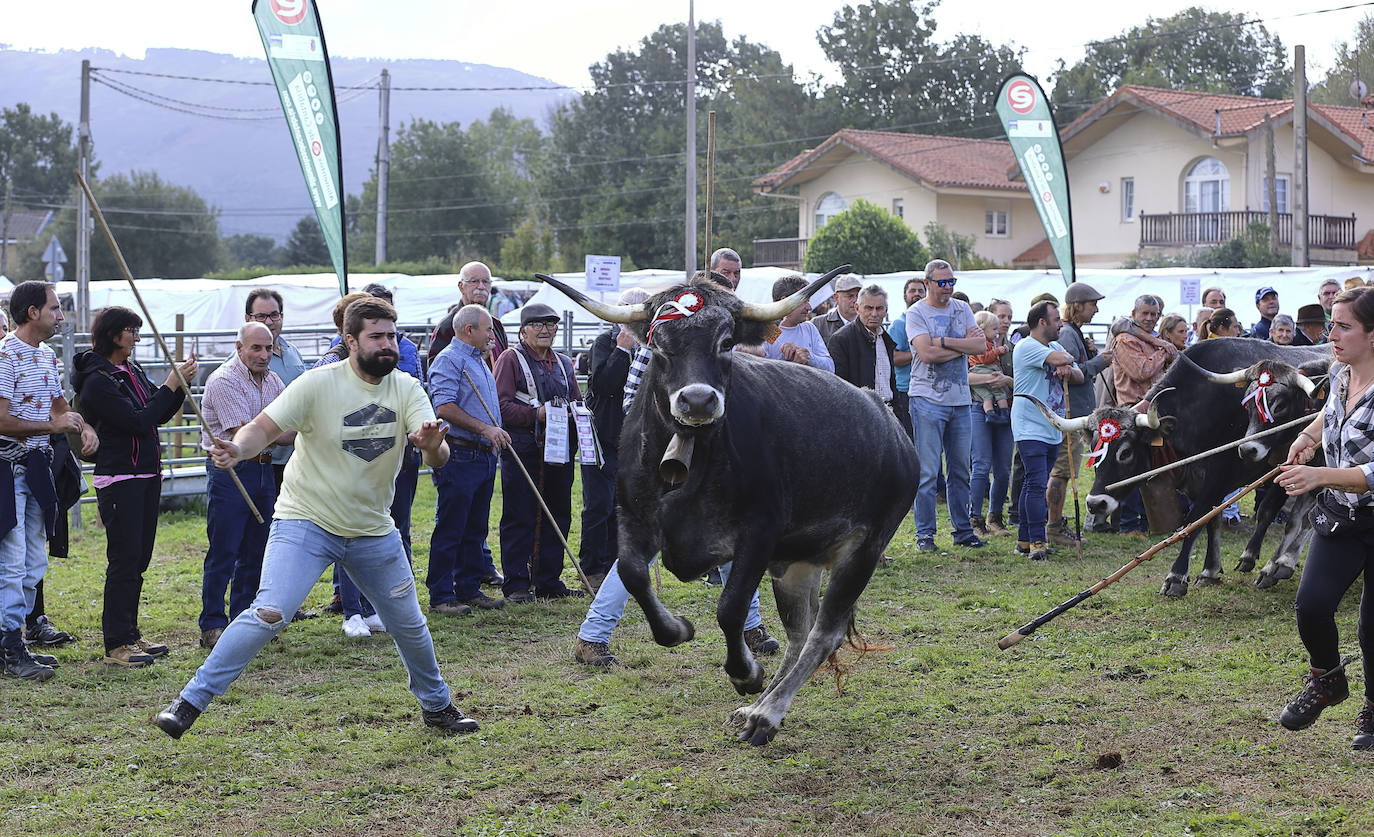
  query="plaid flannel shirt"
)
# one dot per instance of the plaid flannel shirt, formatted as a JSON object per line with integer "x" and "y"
{"x": 1348, "y": 439}
{"x": 638, "y": 364}
{"x": 1135, "y": 368}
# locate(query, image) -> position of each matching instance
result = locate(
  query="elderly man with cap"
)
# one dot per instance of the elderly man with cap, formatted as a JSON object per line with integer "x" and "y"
{"x": 1267, "y": 304}
{"x": 1080, "y": 305}
{"x": 474, "y": 284}
{"x": 1311, "y": 322}
{"x": 535, "y": 384}
{"x": 846, "y": 308}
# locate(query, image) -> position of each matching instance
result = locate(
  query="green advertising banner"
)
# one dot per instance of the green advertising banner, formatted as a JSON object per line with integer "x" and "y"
{"x": 294, "y": 42}
{"x": 1029, "y": 123}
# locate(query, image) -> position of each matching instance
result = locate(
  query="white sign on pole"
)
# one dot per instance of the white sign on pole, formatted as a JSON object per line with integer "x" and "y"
{"x": 603, "y": 273}
{"x": 1190, "y": 291}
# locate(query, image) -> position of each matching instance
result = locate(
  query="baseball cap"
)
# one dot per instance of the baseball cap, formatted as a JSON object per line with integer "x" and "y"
{"x": 1263, "y": 292}
{"x": 848, "y": 282}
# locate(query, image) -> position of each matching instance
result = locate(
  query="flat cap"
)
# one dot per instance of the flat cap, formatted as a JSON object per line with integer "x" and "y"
{"x": 538, "y": 311}
{"x": 1081, "y": 292}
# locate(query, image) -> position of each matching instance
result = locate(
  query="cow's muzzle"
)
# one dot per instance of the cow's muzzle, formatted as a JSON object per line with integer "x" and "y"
{"x": 697, "y": 404}
{"x": 1101, "y": 504}
{"x": 1254, "y": 451}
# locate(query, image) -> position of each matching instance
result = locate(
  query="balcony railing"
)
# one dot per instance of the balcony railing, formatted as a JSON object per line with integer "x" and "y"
{"x": 1333, "y": 232}
{"x": 779, "y": 252}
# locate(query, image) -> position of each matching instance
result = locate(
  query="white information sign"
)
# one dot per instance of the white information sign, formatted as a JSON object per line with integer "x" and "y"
{"x": 556, "y": 434}
{"x": 603, "y": 273}
{"x": 1190, "y": 291}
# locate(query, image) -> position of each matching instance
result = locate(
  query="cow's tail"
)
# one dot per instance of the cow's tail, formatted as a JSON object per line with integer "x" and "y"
{"x": 856, "y": 643}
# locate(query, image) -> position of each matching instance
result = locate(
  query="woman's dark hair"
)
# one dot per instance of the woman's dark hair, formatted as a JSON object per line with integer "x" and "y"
{"x": 1361, "y": 303}
{"x": 108, "y": 325}
{"x": 1221, "y": 318}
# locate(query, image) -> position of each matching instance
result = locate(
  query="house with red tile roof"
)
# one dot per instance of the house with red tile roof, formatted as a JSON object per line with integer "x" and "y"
{"x": 1150, "y": 171}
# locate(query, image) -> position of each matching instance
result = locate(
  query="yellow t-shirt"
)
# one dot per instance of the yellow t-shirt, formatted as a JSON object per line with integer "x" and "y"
{"x": 352, "y": 434}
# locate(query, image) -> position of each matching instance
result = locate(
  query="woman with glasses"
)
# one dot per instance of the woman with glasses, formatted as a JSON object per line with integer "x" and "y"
{"x": 126, "y": 410}
{"x": 534, "y": 382}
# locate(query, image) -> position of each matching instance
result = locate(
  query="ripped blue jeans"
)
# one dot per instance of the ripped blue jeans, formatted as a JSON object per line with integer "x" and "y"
{"x": 298, "y": 552}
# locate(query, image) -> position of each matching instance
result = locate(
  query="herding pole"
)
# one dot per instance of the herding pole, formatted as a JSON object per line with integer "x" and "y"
{"x": 162, "y": 344}
{"x": 491, "y": 417}
{"x": 1073, "y": 480}
{"x": 1030, "y": 627}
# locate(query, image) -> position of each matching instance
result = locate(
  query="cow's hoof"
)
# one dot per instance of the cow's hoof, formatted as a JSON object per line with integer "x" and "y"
{"x": 1245, "y": 564}
{"x": 750, "y": 684}
{"x": 1174, "y": 587}
{"x": 1205, "y": 580}
{"x": 755, "y": 728}
{"x": 675, "y": 631}
{"x": 1268, "y": 578}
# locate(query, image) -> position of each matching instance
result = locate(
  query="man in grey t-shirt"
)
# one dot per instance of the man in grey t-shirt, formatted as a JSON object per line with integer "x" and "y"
{"x": 943, "y": 335}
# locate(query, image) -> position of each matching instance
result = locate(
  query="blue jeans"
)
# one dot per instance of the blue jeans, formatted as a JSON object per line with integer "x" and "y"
{"x": 609, "y": 606}
{"x": 406, "y": 482}
{"x": 992, "y": 445}
{"x": 233, "y": 559}
{"x": 298, "y": 552}
{"x": 599, "y": 548}
{"x": 942, "y": 431}
{"x": 23, "y": 556}
{"x": 1038, "y": 457}
{"x": 1133, "y": 518}
{"x": 456, "y": 563}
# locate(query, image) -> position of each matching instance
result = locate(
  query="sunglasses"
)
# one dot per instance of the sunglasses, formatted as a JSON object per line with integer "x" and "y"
{"x": 943, "y": 283}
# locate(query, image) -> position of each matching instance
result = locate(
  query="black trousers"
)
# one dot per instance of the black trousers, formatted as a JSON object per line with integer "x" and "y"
{"x": 901, "y": 407}
{"x": 531, "y": 554}
{"x": 599, "y": 547}
{"x": 1333, "y": 565}
{"x": 129, "y": 511}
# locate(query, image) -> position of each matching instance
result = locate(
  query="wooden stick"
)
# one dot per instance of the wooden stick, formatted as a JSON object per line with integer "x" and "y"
{"x": 1073, "y": 481}
{"x": 491, "y": 417}
{"x": 1030, "y": 627}
{"x": 1195, "y": 457}
{"x": 162, "y": 344}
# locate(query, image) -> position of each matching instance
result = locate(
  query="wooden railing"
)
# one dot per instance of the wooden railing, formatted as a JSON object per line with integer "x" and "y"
{"x": 779, "y": 252}
{"x": 1334, "y": 232}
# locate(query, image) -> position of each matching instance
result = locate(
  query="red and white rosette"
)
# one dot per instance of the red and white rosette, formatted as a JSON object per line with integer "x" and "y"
{"x": 684, "y": 304}
{"x": 1108, "y": 431}
{"x": 1260, "y": 397}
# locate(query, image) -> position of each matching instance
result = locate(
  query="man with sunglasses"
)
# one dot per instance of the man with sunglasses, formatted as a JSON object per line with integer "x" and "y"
{"x": 943, "y": 334}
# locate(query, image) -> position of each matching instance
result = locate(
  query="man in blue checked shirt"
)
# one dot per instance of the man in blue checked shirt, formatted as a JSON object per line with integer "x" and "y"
{"x": 463, "y": 390}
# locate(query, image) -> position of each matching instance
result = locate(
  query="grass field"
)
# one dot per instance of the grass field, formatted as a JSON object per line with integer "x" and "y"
{"x": 1131, "y": 714}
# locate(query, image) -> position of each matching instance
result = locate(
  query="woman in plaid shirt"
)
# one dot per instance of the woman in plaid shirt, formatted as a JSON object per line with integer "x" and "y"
{"x": 1345, "y": 430}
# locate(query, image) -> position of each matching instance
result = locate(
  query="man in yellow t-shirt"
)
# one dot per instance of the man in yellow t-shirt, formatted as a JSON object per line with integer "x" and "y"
{"x": 353, "y": 420}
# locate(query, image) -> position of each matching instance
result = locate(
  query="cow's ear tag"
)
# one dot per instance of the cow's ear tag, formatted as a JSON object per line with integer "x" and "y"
{"x": 1241, "y": 384}
{"x": 1157, "y": 442}
{"x": 772, "y": 333}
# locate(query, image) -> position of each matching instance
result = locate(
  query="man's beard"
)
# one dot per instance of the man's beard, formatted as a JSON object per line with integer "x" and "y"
{"x": 378, "y": 365}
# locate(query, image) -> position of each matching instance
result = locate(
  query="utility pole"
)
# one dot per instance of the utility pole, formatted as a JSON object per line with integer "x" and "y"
{"x": 5, "y": 227}
{"x": 383, "y": 162}
{"x": 1271, "y": 189}
{"x": 1301, "y": 254}
{"x": 691, "y": 237}
{"x": 83, "y": 211}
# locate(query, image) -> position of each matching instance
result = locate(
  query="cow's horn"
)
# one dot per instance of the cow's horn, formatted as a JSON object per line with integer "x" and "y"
{"x": 1151, "y": 418}
{"x": 1066, "y": 425}
{"x": 606, "y": 311}
{"x": 1308, "y": 385}
{"x": 1228, "y": 378}
{"x": 774, "y": 311}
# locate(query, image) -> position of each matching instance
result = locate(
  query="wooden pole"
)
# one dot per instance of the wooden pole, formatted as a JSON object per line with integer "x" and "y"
{"x": 710, "y": 179}
{"x": 162, "y": 344}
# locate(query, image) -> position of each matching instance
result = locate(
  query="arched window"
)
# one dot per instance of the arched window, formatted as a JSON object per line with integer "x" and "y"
{"x": 1207, "y": 188}
{"x": 828, "y": 207}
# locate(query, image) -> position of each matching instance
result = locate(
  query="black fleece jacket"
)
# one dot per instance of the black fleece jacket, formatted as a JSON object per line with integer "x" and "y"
{"x": 126, "y": 411}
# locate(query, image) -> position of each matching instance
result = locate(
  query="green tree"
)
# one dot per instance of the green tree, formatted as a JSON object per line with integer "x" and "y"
{"x": 896, "y": 73}
{"x": 868, "y": 238}
{"x": 1354, "y": 62}
{"x": 38, "y": 154}
{"x": 1195, "y": 49}
{"x": 954, "y": 248}
{"x": 530, "y": 248}
{"x": 306, "y": 244}
{"x": 248, "y": 250}
{"x": 163, "y": 230}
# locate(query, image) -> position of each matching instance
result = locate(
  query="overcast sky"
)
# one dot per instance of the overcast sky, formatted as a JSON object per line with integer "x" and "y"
{"x": 558, "y": 39}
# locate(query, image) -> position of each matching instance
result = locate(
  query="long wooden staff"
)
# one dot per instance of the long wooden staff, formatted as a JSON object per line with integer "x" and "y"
{"x": 491, "y": 417}
{"x": 148, "y": 318}
{"x": 1073, "y": 480}
{"x": 1030, "y": 627}
{"x": 1268, "y": 431}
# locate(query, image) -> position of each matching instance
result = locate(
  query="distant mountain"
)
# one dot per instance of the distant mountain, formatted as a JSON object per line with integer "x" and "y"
{"x": 247, "y": 167}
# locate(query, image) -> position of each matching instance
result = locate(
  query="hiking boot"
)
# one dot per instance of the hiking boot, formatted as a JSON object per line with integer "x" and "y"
{"x": 1364, "y": 729}
{"x": 482, "y": 601}
{"x": 152, "y": 649}
{"x": 1319, "y": 690}
{"x": 1061, "y": 534}
{"x": 42, "y": 632}
{"x": 1039, "y": 551}
{"x": 980, "y": 526}
{"x": 971, "y": 542}
{"x": 520, "y": 597}
{"x": 176, "y": 718}
{"x": 1023, "y": 547}
{"x": 996, "y": 527}
{"x": 44, "y": 659}
{"x": 210, "y": 637}
{"x": 450, "y": 719}
{"x": 760, "y": 642}
{"x": 450, "y": 609}
{"x": 18, "y": 662}
{"x": 129, "y": 656}
{"x": 925, "y": 544}
{"x": 593, "y": 653}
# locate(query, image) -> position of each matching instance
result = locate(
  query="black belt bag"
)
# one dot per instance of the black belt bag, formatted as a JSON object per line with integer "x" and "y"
{"x": 1329, "y": 517}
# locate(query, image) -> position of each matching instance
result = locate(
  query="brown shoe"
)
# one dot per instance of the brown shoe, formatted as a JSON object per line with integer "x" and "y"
{"x": 152, "y": 649}
{"x": 980, "y": 526}
{"x": 996, "y": 527}
{"x": 1039, "y": 551}
{"x": 593, "y": 653}
{"x": 482, "y": 601}
{"x": 1059, "y": 533}
{"x": 128, "y": 656}
{"x": 210, "y": 637}
{"x": 450, "y": 609}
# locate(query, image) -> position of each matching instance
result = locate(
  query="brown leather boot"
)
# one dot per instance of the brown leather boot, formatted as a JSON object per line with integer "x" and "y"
{"x": 980, "y": 526}
{"x": 996, "y": 527}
